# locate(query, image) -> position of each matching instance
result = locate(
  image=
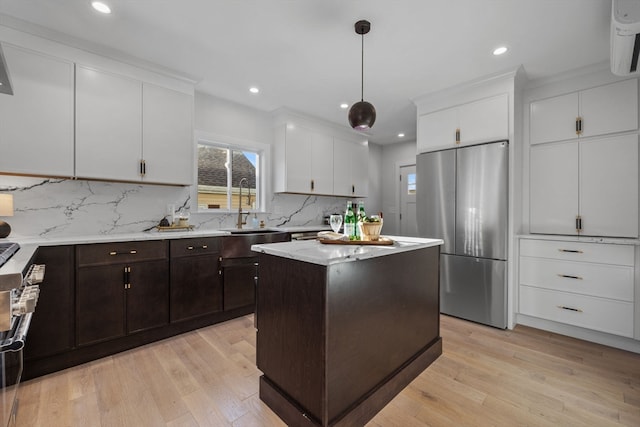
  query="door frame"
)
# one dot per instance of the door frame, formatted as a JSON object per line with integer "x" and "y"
{"x": 396, "y": 189}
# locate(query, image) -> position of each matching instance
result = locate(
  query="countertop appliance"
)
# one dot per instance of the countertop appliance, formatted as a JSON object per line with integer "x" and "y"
{"x": 462, "y": 199}
{"x": 17, "y": 304}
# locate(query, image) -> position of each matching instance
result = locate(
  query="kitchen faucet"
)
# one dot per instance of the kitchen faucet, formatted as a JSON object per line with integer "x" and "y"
{"x": 240, "y": 220}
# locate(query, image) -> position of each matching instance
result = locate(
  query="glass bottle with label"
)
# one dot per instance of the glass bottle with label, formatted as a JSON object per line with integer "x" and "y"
{"x": 360, "y": 216}
{"x": 350, "y": 222}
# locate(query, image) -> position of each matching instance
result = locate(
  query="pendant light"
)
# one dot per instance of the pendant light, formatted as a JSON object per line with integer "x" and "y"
{"x": 362, "y": 114}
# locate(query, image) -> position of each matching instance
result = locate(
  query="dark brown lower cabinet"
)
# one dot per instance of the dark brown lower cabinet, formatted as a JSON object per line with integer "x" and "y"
{"x": 121, "y": 289}
{"x": 53, "y": 323}
{"x": 196, "y": 281}
{"x": 240, "y": 284}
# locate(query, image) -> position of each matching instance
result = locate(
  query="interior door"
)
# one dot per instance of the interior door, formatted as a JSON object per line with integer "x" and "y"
{"x": 408, "y": 220}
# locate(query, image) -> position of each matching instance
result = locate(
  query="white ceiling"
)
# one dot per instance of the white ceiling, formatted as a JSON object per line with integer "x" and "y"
{"x": 305, "y": 54}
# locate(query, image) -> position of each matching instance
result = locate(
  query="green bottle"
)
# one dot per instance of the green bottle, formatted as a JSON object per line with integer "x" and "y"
{"x": 360, "y": 218}
{"x": 350, "y": 222}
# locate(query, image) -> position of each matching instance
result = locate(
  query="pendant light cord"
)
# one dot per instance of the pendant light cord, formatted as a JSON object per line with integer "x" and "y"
{"x": 362, "y": 69}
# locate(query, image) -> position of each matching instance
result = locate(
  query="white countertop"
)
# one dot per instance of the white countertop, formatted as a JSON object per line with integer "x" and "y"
{"x": 314, "y": 252}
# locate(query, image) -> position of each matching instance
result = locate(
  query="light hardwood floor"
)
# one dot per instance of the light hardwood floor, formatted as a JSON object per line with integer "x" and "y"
{"x": 485, "y": 377}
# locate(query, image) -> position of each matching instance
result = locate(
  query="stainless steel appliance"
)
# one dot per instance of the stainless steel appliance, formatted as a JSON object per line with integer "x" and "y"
{"x": 462, "y": 199}
{"x": 18, "y": 297}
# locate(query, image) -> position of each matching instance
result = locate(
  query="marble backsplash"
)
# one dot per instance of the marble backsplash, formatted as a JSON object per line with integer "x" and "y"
{"x": 66, "y": 207}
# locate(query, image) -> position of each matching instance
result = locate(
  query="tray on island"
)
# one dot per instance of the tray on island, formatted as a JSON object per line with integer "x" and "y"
{"x": 174, "y": 227}
{"x": 383, "y": 241}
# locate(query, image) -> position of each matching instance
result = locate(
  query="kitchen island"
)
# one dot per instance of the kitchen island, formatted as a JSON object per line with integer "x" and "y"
{"x": 342, "y": 329}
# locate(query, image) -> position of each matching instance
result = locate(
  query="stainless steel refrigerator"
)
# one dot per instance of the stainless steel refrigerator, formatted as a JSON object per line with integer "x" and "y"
{"x": 462, "y": 199}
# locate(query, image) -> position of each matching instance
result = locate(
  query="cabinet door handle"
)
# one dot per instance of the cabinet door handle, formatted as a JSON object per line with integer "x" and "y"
{"x": 312, "y": 185}
{"x": 143, "y": 167}
{"x": 458, "y": 136}
{"x": 571, "y": 251}
{"x": 353, "y": 189}
{"x": 578, "y": 223}
{"x": 131, "y": 252}
{"x": 569, "y": 276}
{"x": 578, "y": 125}
{"x": 564, "y": 307}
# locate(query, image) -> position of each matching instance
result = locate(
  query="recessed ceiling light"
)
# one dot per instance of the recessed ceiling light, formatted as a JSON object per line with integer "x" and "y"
{"x": 101, "y": 7}
{"x": 254, "y": 89}
{"x": 500, "y": 50}
{"x": 344, "y": 106}
{"x": 401, "y": 135}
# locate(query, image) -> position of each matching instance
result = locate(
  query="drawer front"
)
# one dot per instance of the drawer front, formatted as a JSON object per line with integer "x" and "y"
{"x": 601, "y": 280}
{"x": 189, "y": 247}
{"x": 611, "y": 316}
{"x": 578, "y": 251}
{"x": 121, "y": 252}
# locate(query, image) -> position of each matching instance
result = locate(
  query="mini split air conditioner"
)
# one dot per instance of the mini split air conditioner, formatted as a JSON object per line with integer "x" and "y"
{"x": 625, "y": 37}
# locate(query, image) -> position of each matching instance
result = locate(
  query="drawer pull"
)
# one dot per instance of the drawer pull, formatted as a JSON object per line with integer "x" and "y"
{"x": 190, "y": 248}
{"x": 132, "y": 252}
{"x": 204, "y": 246}
{"x": 571, "y": 251}
{"x": 570, "y": 308}
{"x": 568, "y": 276}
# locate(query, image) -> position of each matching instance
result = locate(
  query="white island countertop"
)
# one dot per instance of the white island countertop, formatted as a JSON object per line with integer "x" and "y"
{"x": 314, "y": 252}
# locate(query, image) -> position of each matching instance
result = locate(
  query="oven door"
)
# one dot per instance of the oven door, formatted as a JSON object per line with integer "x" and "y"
{"x": 10, "y": 374}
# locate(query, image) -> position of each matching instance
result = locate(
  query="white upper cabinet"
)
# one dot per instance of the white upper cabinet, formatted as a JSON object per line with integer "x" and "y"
{"x": 438, "y": 130}
{"x": 130, "y": 130}
{"x": 304, "y": 162}
{"x": 311, "y": 159}
{"x": 167, "y": 146}
{"x": 484, "y": 120}
{"x": 479, "y": 121}
{"x": 584, "y": 177}
{"x": 554, "y": 188}
{"x": 108, "y": 125}
{"x": 593, "y": 181}
{"x": 598, "y": 111}
{"x": 609, "y": 186}
{"x": 36, "y": 123}
{"x": 350, "y": 169}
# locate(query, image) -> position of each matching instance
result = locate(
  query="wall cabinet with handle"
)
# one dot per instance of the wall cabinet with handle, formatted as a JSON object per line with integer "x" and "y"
{"x": 36, "y": 122}
{"x": 587, "y": 187}
{"x": 130, "y": 130}
{"x": 350, "y": 169}
{"x": 196, "y": 277}
{"x": 596, "y": 111}
{"x": 303, "y": 161}
{"x": 480, "y": 121}
{"x": 590, "y": 285}
{"x": 121, "y": 288}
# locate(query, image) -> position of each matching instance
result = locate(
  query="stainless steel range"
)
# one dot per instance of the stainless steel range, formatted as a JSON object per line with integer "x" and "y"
{"x": 18, "y": 297}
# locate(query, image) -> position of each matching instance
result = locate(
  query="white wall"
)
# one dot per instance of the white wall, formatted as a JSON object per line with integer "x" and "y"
{"x": 393, "y": 156}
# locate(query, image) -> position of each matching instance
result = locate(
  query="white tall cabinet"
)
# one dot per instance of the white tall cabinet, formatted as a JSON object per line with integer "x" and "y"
{"x": 581, "y": 181}
{"x": 578, "y": 269}
{"x": 36, "y": 123}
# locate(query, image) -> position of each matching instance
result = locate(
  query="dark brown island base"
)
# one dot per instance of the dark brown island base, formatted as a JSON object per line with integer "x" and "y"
{"x": 343, "y": 329}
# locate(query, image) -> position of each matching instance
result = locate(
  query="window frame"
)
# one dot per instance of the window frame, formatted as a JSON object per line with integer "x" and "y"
{"x": 263, "y": 173}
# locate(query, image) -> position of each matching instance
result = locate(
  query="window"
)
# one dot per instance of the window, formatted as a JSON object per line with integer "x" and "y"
{"x": 222, "y": 171}
{"x": 411, "y": 183}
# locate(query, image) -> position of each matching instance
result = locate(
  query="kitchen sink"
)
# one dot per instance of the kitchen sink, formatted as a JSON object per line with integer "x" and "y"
{"x": 251, "y": 231}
